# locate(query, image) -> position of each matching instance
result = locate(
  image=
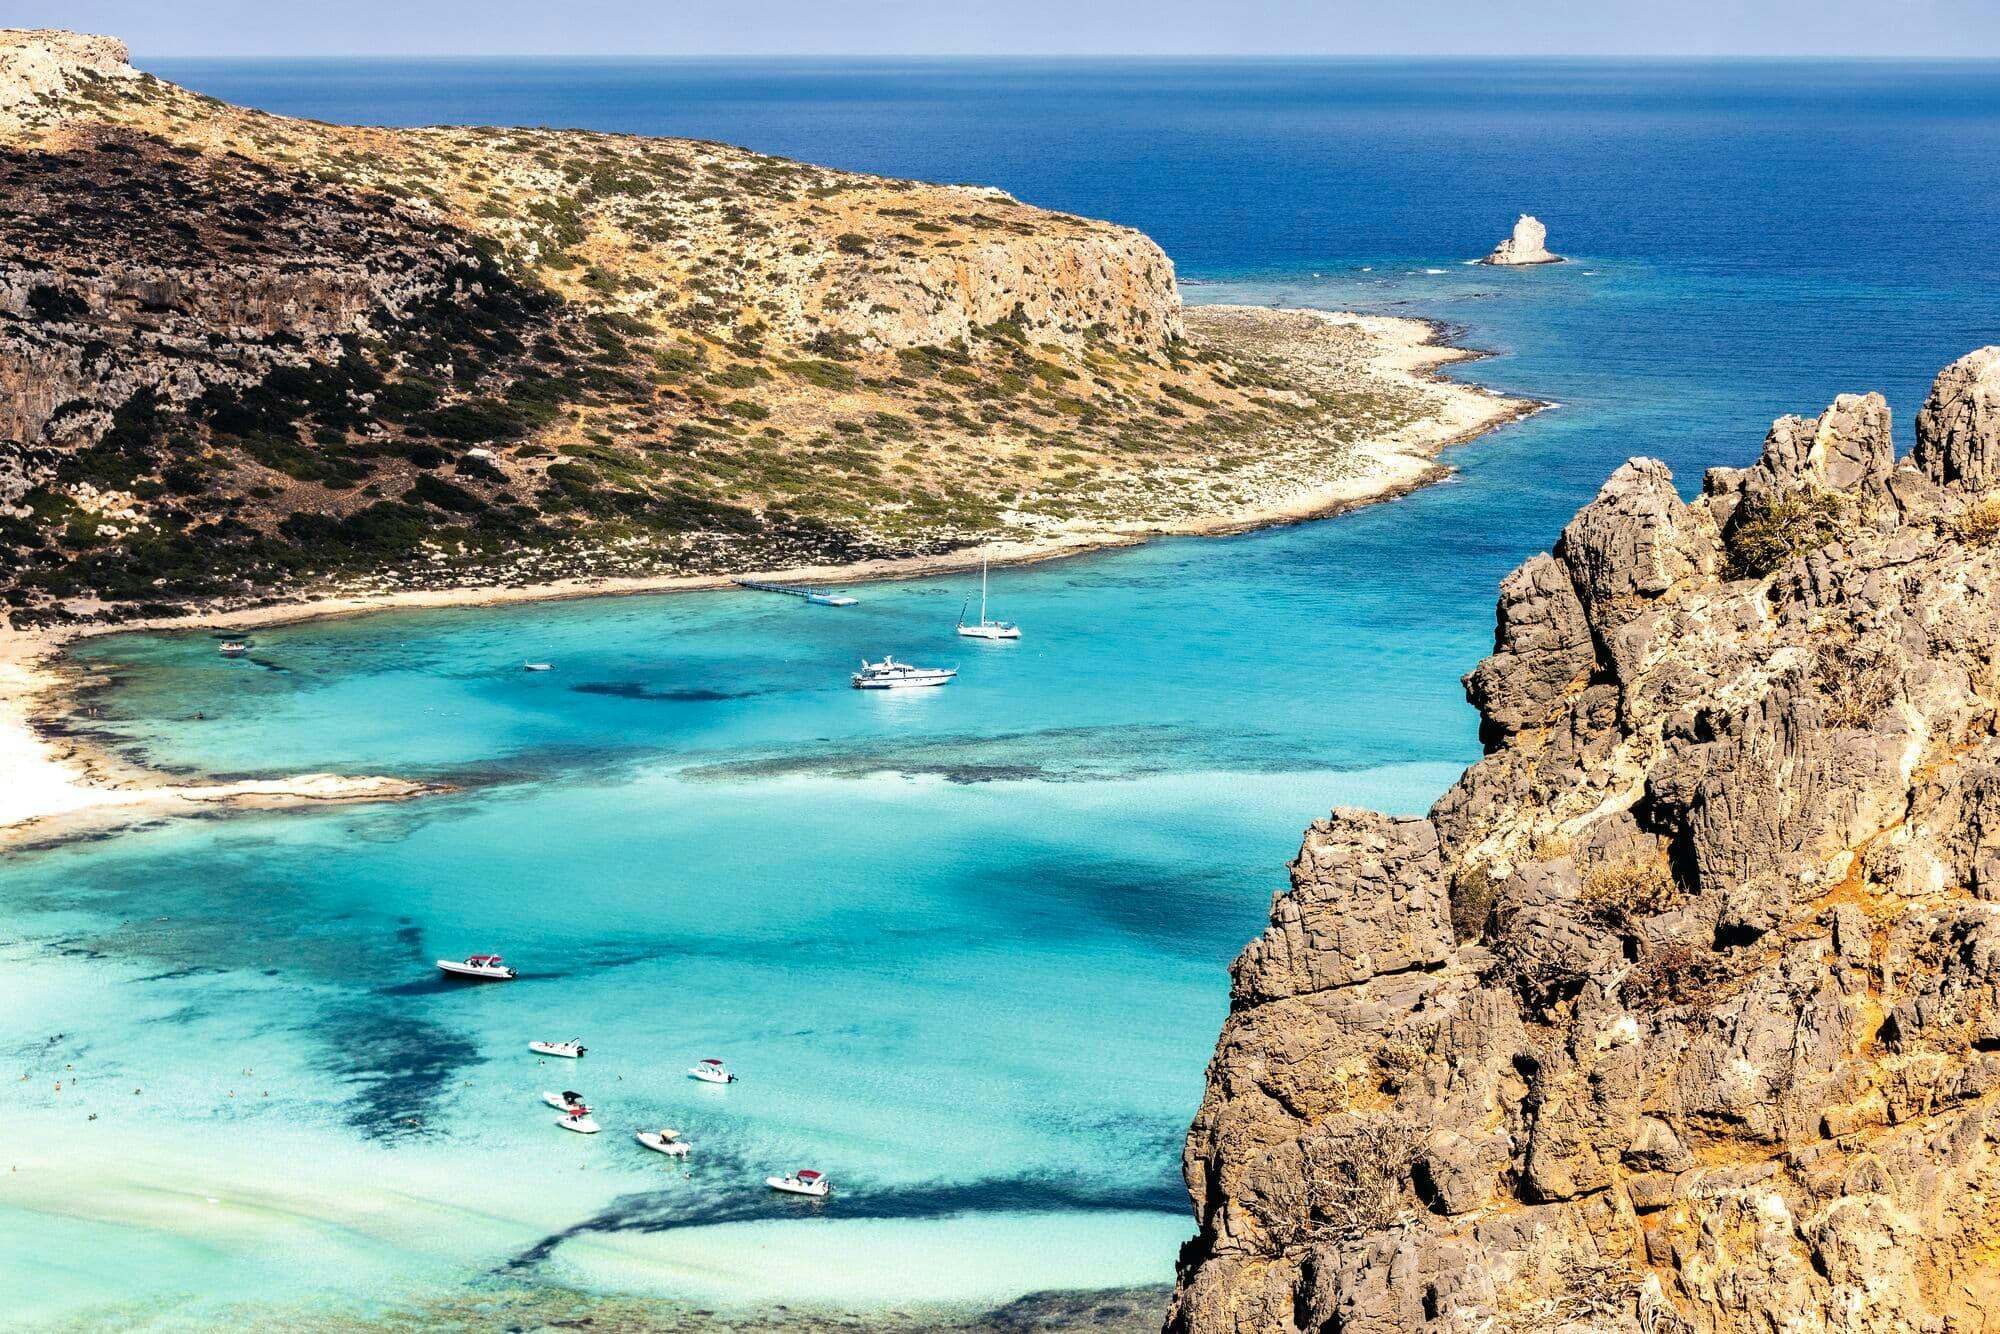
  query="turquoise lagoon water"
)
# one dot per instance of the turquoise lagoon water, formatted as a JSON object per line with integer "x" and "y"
{"x": 967, "y": 949}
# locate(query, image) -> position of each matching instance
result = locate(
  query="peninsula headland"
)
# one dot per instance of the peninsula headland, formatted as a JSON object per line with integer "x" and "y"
{"x": 258, "y": 368}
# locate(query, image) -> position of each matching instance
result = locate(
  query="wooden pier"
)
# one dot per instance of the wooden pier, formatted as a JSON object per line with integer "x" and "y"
{"x": 818, "y": 597}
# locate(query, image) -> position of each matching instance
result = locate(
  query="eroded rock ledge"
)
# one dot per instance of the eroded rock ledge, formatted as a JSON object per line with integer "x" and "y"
{"x": 1681, "y": 1011}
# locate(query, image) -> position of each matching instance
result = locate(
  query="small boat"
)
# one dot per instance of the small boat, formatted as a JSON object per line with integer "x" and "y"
{"x": 478, "y": 967}
{"x": 711, "y": 1071}
{"x": 829, "y": 600}
{"x": 566, "y": 1101}
{"x": 664, "y": 1140}
{"x": 985, "y": 629}
{"x": 889, "y": 674}
{"x": 799, "y": 1183}
{"x": 233, "y": 649}
{"x": 571, "y": 1049}
{"x": 580, "y": 1122}
{"x": 537, "y": 666}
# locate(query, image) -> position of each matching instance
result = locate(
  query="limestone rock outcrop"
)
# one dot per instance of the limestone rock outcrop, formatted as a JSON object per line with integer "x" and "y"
{"x": 1527, "y": 245}
{"x": 1681, "y": 1010}
{"x": 37, "y": 64}
{"x": 1960, "y": 423}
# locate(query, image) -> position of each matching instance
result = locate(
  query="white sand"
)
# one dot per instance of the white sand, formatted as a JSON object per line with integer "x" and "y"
{"x": 50, "y": 788}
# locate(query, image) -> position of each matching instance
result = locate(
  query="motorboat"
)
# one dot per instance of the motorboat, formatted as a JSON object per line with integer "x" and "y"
{"x": 537, "y": 666}
{"x": 571, "y": 1049}
{"x": 889, "y": 674}
{"x": 711, "y": 1071}
{"x": 566, "y": 1101}
{"x": 477, "y": 967}
{"x": 664, "y": 1140}
{"x": 233, "y": 649}
{"x": 799, "y": 1183}
{"x": 985, "y": 629}
{"x": 579, "y": 1121}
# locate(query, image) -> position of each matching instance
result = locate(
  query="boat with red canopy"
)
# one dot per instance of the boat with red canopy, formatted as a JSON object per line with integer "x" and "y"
{"x": 578, "y": 1119}
{"x": 799, "y": 1183}
{"x": 711, "y": 1071}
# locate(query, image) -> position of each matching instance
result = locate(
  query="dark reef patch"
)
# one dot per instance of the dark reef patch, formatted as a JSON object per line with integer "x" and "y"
{"x": 181, "y": 974}
{"x": 396, "y": 1063}
{"x": 634, "y": 690}
{"x": 534, "y": 1302}
{"x": 667, "y": 1211}
{"x": 1048, "y": 755}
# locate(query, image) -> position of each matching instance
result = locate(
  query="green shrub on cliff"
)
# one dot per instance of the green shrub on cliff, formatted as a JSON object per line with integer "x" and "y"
{"x": 1769, "y": 530}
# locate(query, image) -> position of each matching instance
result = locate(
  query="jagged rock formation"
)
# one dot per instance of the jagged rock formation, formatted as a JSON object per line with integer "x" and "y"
{"x": 243, "y": 354}
{"x": 1681, "y": 1011}
{"x": 1527, "y": 245}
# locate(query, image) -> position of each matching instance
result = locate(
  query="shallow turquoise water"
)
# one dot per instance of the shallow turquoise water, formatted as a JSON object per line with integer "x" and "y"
{"x": 963, "y": 946}
{"x": 967, "y": 948}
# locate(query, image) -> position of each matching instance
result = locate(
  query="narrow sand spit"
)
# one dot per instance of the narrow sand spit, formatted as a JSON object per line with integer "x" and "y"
{"x": 53, "y": 787}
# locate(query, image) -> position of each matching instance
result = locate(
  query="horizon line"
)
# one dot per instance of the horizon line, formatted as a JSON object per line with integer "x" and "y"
{"x": 1272, "y": 56}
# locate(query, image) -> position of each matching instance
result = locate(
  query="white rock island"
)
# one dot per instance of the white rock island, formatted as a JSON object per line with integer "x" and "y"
{"x": 1528, "y": 245}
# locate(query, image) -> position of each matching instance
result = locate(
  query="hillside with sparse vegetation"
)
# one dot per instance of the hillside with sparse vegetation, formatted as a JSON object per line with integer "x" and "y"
{"x": 244, "y": 355}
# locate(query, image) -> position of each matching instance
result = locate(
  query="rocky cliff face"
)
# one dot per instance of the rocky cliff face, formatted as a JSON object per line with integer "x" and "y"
{"x": 226, "y": 273}
{"x": 1681, "y": 1011}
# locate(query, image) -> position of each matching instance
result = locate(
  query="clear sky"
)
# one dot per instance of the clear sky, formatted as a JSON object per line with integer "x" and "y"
{"x": 1005, "y": 27}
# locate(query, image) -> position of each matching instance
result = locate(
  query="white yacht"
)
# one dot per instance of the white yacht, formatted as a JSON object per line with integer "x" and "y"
{"x": 478, "y": 967}
{"x": 571, "y": 1050}
{"x": 799, "y": 1183}
{"x": 711, "y": 1071}
{"x": 889, "y": 674}
{"x": 985, "y": 629}
{"x": 579, "y": 1121}
{"x": 233, "y": 649}
{"x": 567, "y": 1101}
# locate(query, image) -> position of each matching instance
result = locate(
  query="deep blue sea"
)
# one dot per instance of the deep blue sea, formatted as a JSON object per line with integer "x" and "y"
{"x": 967, "y": 950}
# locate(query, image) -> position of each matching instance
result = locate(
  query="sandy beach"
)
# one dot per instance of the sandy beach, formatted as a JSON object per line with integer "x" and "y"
{"x": 54, "y": 787}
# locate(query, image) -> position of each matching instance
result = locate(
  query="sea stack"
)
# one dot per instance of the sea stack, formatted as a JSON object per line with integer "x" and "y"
{"x": 1528, "y": 245}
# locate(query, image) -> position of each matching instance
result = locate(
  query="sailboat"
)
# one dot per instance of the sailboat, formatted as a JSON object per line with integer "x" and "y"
{"x": 985, "y": 629}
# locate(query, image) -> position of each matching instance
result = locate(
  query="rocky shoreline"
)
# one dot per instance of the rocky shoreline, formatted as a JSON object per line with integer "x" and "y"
{"x": 1681, "y": 1010}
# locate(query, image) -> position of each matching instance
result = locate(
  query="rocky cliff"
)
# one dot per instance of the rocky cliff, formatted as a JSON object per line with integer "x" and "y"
{"x": 243, "y": 354}
{"x": 39, "y": 66}
{"x": 1681, "y": 1011}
